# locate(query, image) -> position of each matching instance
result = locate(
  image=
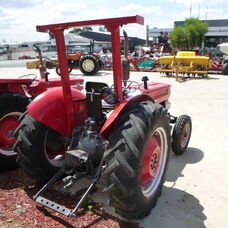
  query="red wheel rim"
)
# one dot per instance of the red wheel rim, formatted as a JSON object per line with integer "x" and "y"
{"x": 154, "y": 162}
{"x": 185, "y": 134}
{"x": 151, "y": 159}
{"x": 8, "y": 125}
{"x": 54, "y": 148}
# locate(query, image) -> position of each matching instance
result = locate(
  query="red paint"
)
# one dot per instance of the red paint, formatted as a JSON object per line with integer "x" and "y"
{"x": 112, "y": 24}
{"x": 108, "y": 125}
{"x": 151, "y": 159}
{"x": 116, "y": 59}
{"x": 7, "y": 127}
{"x": 183, "y": 135}
{"x": 156, "y": 92}
{"x": 35, "y": 87}
{"x": 49, "y": 109}
{"x": 40, "y": 86}
{"x": 135, "y": 62}
{"x": 14, "y": 85}
{"x": 120, "y": 21}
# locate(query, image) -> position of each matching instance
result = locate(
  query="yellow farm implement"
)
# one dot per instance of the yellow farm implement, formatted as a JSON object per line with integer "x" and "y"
{"x": 185, "y": 62}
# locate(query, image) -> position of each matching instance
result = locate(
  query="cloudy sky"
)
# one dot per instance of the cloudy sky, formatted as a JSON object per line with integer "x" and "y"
{"x": 18, "y": 18}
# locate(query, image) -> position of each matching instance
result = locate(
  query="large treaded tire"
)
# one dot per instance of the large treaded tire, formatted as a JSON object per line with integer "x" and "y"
{"x": 89, "y": 65}
{"x": 225, "y": 69}
{"x": 9, "y": 103}
{"x": 181, "y": 134}
{"x": 33, "y": 140}
{"x": 122, "y": 176}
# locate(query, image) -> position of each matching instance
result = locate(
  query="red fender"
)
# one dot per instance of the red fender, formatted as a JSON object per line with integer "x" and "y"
{"x": 109, "y": 125}
{"x": 48, "y": 108}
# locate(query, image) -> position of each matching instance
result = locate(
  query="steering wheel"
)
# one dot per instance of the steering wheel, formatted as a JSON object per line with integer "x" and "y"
{"x": 29, "y": 76}
{"x": 127, "y": 84}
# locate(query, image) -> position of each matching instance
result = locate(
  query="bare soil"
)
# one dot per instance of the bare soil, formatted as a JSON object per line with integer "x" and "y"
{"x": 17, "y": 209}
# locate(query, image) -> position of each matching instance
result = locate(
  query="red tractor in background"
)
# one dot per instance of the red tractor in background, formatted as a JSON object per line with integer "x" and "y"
{"x": 15, "y": 95}
{"x": 119, "y": 136}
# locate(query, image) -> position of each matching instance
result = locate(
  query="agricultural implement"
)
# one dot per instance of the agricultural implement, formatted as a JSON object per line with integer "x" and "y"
{"x": 185, "y": 63}
{"x": 15, "y": 95}
{"x": 44, "y": 62}
{"x": 69, "y": 133}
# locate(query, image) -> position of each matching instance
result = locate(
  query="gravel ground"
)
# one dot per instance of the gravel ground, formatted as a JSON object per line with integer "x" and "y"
{"x": 196, "y": 188}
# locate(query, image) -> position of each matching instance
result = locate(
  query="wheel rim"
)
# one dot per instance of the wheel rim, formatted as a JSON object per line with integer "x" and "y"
{"x": 185, "y": 135}
{"x": 8, "y": 125}
{"x": 88, "y": 65}
{"x": 54, "y": 148}
{"x": 154, "y": 161}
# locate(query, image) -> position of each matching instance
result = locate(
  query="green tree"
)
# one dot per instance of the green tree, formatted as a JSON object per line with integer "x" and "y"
{"x": 178, "y": 38}
{"x": 190, "y": 35}
{"x": 77, "y": 30}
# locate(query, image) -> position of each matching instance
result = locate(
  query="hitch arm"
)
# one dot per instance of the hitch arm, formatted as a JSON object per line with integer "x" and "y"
{"x": 59, "y": 208}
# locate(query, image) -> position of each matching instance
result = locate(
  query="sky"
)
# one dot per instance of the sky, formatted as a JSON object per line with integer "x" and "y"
{"x": 18, "y": 18}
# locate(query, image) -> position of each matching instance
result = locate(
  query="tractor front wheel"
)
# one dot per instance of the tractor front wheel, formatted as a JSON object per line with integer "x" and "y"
{"x": 137, "y": 159}
{"x": 181, "y": 134}
{"x": 12, "y": 105}
{"x": 40, "y": 149}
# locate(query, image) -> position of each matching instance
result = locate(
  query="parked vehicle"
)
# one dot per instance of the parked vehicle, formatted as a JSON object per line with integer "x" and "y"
{"x": 15, "y": 95}
{"x": 224, "y": 48}
{"x": 67, "y": 132}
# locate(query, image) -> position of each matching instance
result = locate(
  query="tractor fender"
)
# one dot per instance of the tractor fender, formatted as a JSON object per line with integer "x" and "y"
{"x": 109, "y": 125}
{"x": 48, "y": 108}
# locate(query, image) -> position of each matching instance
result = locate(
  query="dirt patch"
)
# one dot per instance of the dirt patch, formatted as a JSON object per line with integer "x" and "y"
{"x": 17, "y": 209}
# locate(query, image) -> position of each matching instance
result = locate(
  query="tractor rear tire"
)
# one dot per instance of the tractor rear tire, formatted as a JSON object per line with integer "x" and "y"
{"x": 12, "y": 105}
{"x": 39, "y": 149}
{"x": 89, "y": 65}
{"x": 181, "y": 134}
{"x": 137, "y": 159}
{"x": 225, "y": 69}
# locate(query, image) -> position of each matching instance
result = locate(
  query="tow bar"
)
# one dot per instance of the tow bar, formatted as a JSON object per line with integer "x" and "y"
{"x": 69, "y": 156}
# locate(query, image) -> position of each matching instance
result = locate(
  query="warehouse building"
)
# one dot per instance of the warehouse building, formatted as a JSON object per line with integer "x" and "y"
{"x": 217, "y": 32}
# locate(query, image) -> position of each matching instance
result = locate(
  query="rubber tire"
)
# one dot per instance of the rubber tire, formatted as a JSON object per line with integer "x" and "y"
{"x": 58, "y": 71}
{"x": 11, "y": 102}
{"x": 49, "y": 64}
{"x": 122, "y": 176}
{"x": 95, "y": 61}
{"x": 30, "y": 148}
{"x": 225, "y": 69}
{"x": 177, "y": 132}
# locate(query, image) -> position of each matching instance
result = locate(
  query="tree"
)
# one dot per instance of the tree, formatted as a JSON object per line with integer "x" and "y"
{"x": 77, "y": 30}
{"x": 190, "y": 35}
{"x": 178, "y": 38}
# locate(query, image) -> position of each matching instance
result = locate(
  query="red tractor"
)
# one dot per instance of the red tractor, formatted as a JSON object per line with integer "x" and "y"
{"x": 15, "y": 95}
{"x": 119, "y": 136}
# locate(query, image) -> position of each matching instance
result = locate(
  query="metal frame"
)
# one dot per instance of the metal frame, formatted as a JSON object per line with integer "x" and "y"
{"x": 113, "y": 26}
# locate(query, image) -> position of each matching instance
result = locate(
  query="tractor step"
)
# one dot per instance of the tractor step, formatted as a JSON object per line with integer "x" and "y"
{"x": 54, "y": 206}
{"x": 76, "y": 154}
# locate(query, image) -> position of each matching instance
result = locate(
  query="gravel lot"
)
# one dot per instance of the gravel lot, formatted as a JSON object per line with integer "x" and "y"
{"x": 196, "y": 186}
